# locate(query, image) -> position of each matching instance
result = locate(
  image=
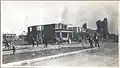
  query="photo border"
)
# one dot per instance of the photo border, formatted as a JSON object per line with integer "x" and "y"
{"x": 58, "y": 66}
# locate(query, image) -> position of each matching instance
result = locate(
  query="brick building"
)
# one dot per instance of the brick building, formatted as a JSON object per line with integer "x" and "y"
{"x": 77, "y": 32}
{"x": 49, "y": 32}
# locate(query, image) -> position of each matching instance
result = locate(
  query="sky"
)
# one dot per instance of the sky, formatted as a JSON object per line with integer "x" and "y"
{"x": 16, "y": 16}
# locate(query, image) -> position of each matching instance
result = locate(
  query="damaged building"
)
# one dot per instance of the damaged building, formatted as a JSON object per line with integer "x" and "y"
{"x": 102, "y": 28}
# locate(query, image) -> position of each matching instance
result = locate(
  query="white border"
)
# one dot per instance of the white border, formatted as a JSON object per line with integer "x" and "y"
{"x": 65, "y": 66}
{"x": 119, "y": 30}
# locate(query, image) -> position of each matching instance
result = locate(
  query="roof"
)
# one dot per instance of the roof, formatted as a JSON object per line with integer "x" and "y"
{"x": 63, "y": 30}
{"x": 48, "y": 24}
{"x": 9, "y": 34}
{"x": 74, "y": 27}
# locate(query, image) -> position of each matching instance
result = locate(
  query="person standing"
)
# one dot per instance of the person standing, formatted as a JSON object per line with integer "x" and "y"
{"x": 33, "y": 41}
{"x": 37, "y": 41}
{"x": 80, "y": 40}
{"x": 96, "y": 39}
{"x": 13, "y": 47}
{"x": 115, "y": 38}
{"x": 59, "y": 41}
{"x": 68, "y": 41}
{"x": 91, "y": 42}
{"x": 7, "y": 43}
{"x": 85, "y": 39}
{"x": 46, "y": 44}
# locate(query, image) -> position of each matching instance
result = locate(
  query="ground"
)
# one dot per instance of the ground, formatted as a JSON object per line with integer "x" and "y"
{"x": 106, "y": 55}
{"x": 37, "y": 52}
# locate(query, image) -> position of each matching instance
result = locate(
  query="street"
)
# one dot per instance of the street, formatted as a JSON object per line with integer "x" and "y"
{"x": 26, "y": 54}
{"x": 29, "y": 48}
{"x": 106, "y": 55}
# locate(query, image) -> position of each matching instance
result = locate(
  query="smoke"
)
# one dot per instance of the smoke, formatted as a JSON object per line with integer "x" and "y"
{"x": 76, "y": 13}
{"x": 91, "y": 12}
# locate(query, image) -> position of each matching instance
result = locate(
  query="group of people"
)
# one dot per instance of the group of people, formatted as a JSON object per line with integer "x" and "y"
{"x": 37, "y": 42}
{"x": 33, "y": 42}
{"x": 8, "y": 44}
{"x": 92, "y": 40}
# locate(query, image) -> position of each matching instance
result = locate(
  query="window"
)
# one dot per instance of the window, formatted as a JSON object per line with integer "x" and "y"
{"x": 77, "y": 29}
{"x": 70, "y": 35}
{"x": 56, "y": 26}
{"x": 30, "y": 29}
{"x": 64, "y": 34}
{"x": 38, "y": 27}
{"x": 60, "y": 26}
{"x": 64, "y": 26}
{"x": 42, "y": 27}
{"x": 58, "y": 34}
{"x": 70, "y": 28}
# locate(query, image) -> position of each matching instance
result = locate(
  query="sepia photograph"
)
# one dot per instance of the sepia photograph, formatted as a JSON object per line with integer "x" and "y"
{"x": 59, "y": 33}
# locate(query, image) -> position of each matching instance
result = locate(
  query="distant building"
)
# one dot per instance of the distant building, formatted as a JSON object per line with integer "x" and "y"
{"x": 92, "y": 32}
{"x": 105, "y": 28}
{"x": 99, "y": 26}
{"x": 77, "y": 29}
{"x": 114, "y": 37}
{"x": 102, "y": 28}
{"x": 77, "y": 32}
{"x": 23, "y": 37}
{"x": 49, "y": 32}
{"x": 9, "y": 37}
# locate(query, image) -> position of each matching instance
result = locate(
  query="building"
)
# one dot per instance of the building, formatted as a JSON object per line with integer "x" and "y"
{"x": 105, "y": 28}
{"x": 35, "y": 31}
{"x": 77, "y": 29}
{"x": 23, "y": 36}
{"x": 9, "y": 37}
{"x": 102, "y": 28}
{"x": 77, "y": 32}
{"x": 92, "y": 32}
{"x": 62, "y": 32}
{"x": 49, "y": 32}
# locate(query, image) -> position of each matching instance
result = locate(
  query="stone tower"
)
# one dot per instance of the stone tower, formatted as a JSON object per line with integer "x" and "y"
{"x": 105, "y": 28}
{"x": 102, "y": 28}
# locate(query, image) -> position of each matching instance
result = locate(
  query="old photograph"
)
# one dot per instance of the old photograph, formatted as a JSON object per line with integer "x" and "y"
{"x": 60, "y": 33}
